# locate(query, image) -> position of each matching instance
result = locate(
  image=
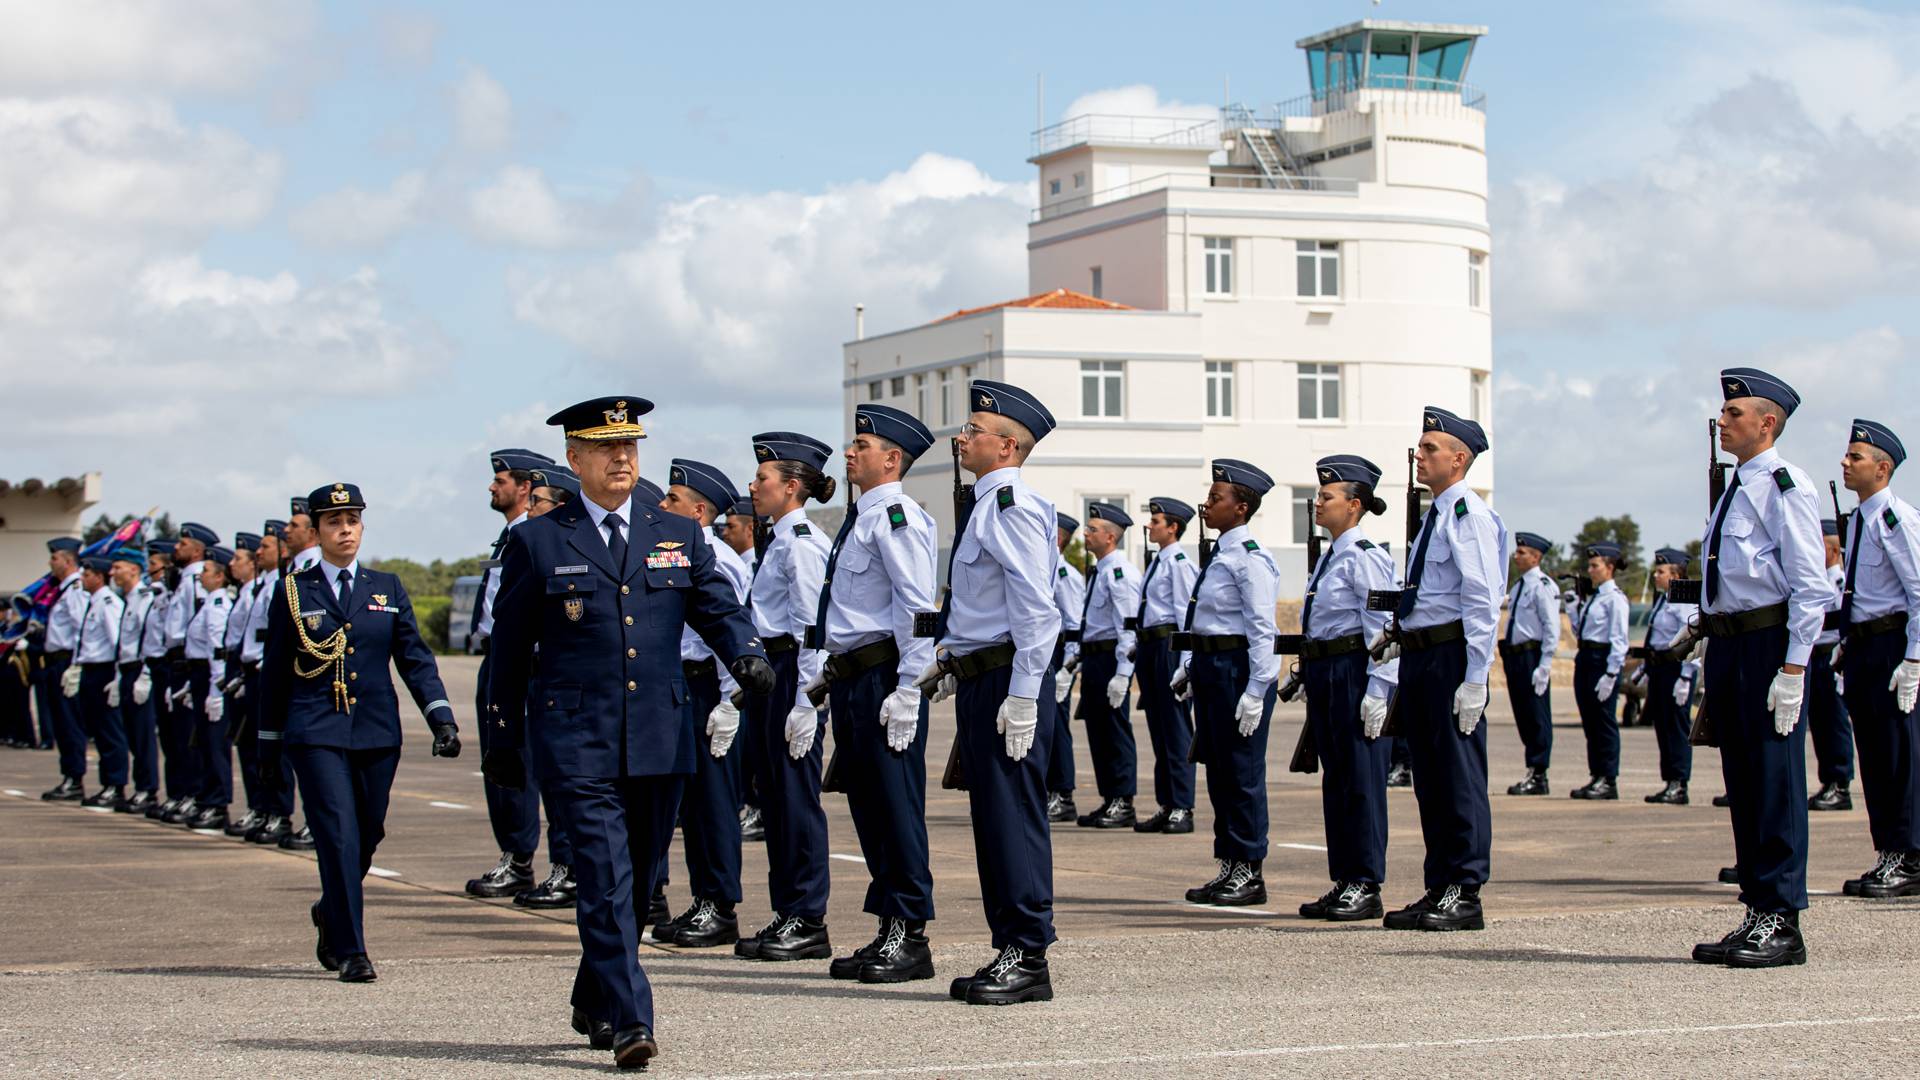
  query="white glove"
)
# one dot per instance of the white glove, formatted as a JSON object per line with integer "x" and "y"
{"x": 1062, "y": 687}
{"x": 70, "y": 682}
{"x": 113, "y": 693}
{"x": 901, "y": 713}
{"x": 1682, "y": 691}
{"x": 803, "y": 723}
{"x": 939, "y": 687}
{"x": 1906, "y": 685}
{"x": 1071, "y": 663}
{"x": 723, "y": 723}
{"x": 1373, "y": 716}
{"x": 1117, "y": 689}
{"x": 816, "y": 683}
{"x": 1181, "y": 687}
{"x": 1017, "y": 719}
{"x": 1603, "y": 686}
{"x": 142, "y": 687}
{"x": 1247, "y": 713}
{"x": 216, "y": 708}
{"x": 1469, "y": 702}
{"x": 1542, "y": 678}
{"x": 1783, "y": 700}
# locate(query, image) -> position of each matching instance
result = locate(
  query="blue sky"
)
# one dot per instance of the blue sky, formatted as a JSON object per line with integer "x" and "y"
{"x": 246, "y": 248}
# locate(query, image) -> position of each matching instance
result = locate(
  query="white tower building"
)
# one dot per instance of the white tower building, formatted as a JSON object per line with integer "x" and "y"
{"x": 1273, "y": 285}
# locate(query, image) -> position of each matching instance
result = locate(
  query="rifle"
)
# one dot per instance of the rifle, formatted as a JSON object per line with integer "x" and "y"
{"x": 1388, "y": 600}
{"x": 830, "y": 778}
{"x": 762, "y": 538}
{"x": 1702, "y": 732}
{"x": 1839, "y": 516}
{"x": 930, "y": 624}
{"x": 1306, "y": 752}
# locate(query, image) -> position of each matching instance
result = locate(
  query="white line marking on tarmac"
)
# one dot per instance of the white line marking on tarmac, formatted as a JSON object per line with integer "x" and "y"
{"x": 207, "y": 832}
{"x": 1330, "y": 1048}
{"x": 98, "y": 809}
{"x": 449, "y": 805}
{"x": 479, "y": 774}
{"x": 381, "y": 871}
{"x": 16, "y": 793}
{"x": 1302, "y": 847}
{"x": 846, "y": 858}
{"x": 1222, "y": 910}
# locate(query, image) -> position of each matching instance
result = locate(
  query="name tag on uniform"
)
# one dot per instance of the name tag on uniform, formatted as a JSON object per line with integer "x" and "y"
{"x": 572, "y": 569}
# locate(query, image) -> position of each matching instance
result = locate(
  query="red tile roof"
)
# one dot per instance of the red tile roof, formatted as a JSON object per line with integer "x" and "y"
{"x": 1058, "y": 298}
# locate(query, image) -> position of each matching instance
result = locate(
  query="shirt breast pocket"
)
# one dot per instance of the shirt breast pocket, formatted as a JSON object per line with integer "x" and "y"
{"x": 857, "y": 578}
{"x": 1871, "y": 554}
{"x": 1740, "y": 531}
{"x": 972, "y": 569}
{"x": 571, "y": 597}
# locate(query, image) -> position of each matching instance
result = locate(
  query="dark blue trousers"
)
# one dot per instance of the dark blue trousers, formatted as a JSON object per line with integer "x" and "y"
{"x": 1671, "y": 723}
{"x": 1060, "y": 753}
{"x": 618, "y": 827}
{"x": 102, "y": 722}
{"x": 886, "y": 794}
{"x": 212, "y": 741}
{"x": 797, "y": 880}
{"x": 752, "y": 740}
{"x": 1532, "y": 713}
{"x": 1599, "y": 718}
{"x": 1889, "y": 741}
{"x": 1353, "y": 785}
{"x": 1169, "y": 724}
{"x": 142, "y": 738}
{"x": 1236, "y": 764}
{"x": 346, "y": 793}
{"x": 710, "y": 806}
{"x": 244, "y": 721}
{"x": 1828, "y": 723}
{"x": 1766, "y": 773}
{"x": 1116, "y": 763}
{"x": 68, "y": 734}
{"x": 514, "y": 815}
{"x": 1449, "y": 769}
{"x": 182, "y": 767}
{"x": 1012, "y": 840}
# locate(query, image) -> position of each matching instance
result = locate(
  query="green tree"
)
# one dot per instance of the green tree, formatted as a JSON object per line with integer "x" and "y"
{"x": 103, "y": 526}
{"x": 1075, "y": 554}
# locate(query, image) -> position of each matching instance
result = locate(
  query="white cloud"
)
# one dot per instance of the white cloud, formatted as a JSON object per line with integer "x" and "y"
{"x": 407, "y": 38}
{"x": 1139, "y": 99}
{"x": 482, "y": 113}
{"x": 519, "y": 207}
{"x": 355, "y": 218}
{"x": 217, "y": 46}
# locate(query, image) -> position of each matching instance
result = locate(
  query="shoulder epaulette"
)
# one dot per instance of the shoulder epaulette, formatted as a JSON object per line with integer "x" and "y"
{"x": 1063, "y": 571}
{"x": 1179, "y": 556}
{"x": 1004, "y": 499}
{"x": 802, "y": 530}
{"x": 1250, "y": 545}
{"x": 896, "y": 517}
{"x": 1460, "y": 509}
{"x": 1366, "y": 545}
{"x": 1119, "y": 573}
{"x": 1783, "y": 478}
{"x": 1891, "y": 518}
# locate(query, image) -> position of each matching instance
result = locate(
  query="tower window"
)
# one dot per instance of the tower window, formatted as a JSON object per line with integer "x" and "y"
{"x": 1219, "y": 260}
{"x": 1317, "y": 265}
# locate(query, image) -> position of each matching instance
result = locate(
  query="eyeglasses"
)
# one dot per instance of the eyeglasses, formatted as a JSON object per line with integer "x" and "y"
{"x": 538, "y": 499}
{"x": 970, "y": 429}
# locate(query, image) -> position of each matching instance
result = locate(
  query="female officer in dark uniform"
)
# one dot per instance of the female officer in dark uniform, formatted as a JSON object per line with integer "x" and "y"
{"x": 328, "y": 700}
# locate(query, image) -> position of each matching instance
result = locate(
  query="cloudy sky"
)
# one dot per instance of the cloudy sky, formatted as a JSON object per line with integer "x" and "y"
{"x": 248, "y": 246}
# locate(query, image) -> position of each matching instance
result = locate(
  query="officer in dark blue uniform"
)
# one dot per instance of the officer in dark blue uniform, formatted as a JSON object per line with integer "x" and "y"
{"x": 1069, "y": 596}
{"x": 327, "y": 703}
{"x": 600, "y": 587}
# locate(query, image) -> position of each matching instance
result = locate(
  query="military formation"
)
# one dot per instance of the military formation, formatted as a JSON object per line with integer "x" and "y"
{"x": 662, "y": 659}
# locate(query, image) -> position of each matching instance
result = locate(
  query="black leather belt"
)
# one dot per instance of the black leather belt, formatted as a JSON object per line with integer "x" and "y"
{"x": 1214, "y": 643}
{"x": 782, "y": 643}
{"x": 132, "y": 666}
{"x": 55, "y": 656}
{"x": 1876, "y": 626}
{"x": 1098, "y": 648}
{"x": 1596, "y": 646}
{"x": 699, "y": 669}
{"x": 1332, "y": 647}
{"x": 1155, "y": 633}
{"x": 1429, "y": 636}
{"x": 848, "y": 664}
{"x": 1519, "y": 648}
{"x": 198, "y": 666}
{"x": 980, "y": 661}
{"x": 1734, "y": 623}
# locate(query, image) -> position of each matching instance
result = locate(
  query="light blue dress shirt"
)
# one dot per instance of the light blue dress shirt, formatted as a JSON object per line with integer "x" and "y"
{"x": 1465, "y": 575}
{"x": 1771, "y": 551}
{"x": 1003, "y": 579}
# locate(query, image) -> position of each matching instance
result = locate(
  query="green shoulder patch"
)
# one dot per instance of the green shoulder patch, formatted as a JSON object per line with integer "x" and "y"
{"x": 1460, "y": 509}
{"x": 1005, "y": 498}
{"x": 1366, "y": 545}
{"x": 1063, "y": 571}
{"x": 1892, "y": 519}
{"x": 1783, "y": 479}
{"x": 896, "y": 517}
{"x": 802, "y": 530}
{"x": 1250, "y": 545}
{"x": 1179, "y": 556}
{"x": 1119, "y": 573}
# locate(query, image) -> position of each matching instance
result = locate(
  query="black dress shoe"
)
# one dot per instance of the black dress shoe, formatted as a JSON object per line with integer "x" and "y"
{"x": 748, "y": 948}
{"x": 158, "y": 811}
{"x": 795, "y": 938}
{"x": 1722, "y": 801}
{"x": 752, "y": 826}
{"x": 558, "y": 891}
{"x": 1774, "y": 941}
{"x": 1674, "y": 794}
{"x": 105, "y": 799}
{"x": 137, "y": 803}
{"x": 848, "y": 967}
{"x": 320, "y": 950}
{"x": 1887, "y": 862}
{"x": 1729, "y": 875}
{"x": 209, "y": 817}
{"x": 659, "y": 925}
{"x": 1347, "y": 901}
{"x": 1085, "y": 821}
{"x": 1900, "y": 879}
{"x": 1600, "y": 787}
{"x": 1117, "y": 814}
{"x": 270, "y": 830}
{"x": 957, "y": 990}
{"x": 1014, "y": 976}
{"x": 706, "y": 925}
{"x": 1179, "y": 821}
{"x": 1204, "y": 893}
{"x": 1399, "y": 776}
{"x": 902, "y": 955}
{"x": 298, "y": 841}
{"x": 1715, "y": 952}
{"x": 183, "y": 812}
{"x": 1831, "y": 797}
{"x": 1243, "y": 888}
{"x": 599, "y": 1033}
{"x": 633, "y": 1047}
{"x": 1060, "y": 807}
{"x": 1456, "y": 907}
{"x": 67, "y": 790}
{"x": 357, "y": 969}
{"x": 1534, "y": 783}
{"x": 247, "y": 823}
{"x": 1156, "y": 823}
{"x": 512, "y": 875}
{"x": 1408, "y": 918}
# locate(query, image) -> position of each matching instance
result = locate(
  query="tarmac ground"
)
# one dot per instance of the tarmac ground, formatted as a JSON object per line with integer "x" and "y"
{"x": 129, "y": 948}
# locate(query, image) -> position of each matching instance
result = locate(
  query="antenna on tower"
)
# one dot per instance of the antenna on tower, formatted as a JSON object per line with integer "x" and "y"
{"x": 1039, "y": 101}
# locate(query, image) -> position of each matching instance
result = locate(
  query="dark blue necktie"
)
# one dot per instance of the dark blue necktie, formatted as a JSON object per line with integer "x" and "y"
{"x": 1513, "y": 607}
{"x": 1412, "y": 591}
{"x": 826, "y": 586}
{"x": 1659, "y": 601}
{"x": 343, "y": 587}
{"x": 1140, "y": 618}
{"x": 616, "y": 543}
{"x": 1713, "y": 540}
{"x": 1306, "y": 609}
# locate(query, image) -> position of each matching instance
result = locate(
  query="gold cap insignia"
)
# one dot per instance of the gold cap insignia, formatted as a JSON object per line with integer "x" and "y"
{"x": 983, "y": 400}
{"x": 1860, "y": 435}
{"x": 863, "y": 421}
{"x": 338, "y": 495}
{"x": 1433, "y": 421}
{"x": 1734, "y": 387}
{"x": 616, "y": 416}
{"x": 1326, "y": 476}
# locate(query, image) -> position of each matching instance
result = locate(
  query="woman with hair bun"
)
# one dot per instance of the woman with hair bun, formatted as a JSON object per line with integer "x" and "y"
{"x": 1347, "y": 690}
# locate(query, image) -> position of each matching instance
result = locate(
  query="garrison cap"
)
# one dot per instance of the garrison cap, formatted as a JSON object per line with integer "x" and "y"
{"x": 1739, "y": 382}
{"x": 1467, "y": 431}
{"x": 1532, "y": 540}
{"x": 1604, "y": 550}
{"x": 1174, "y": 509}
{"x": 1347, "y": 468}
{"x": 335, "y": 497}
{"x": 296, "y": 505}
{"x": 603, "y": 419}
{"x": 1671, "y": 557}
{"x": 711, "y": 483}
{"x": 512, "y": 459}
{"x": 246, "y": 541}
{"x": 1005, "y": 399}
{"x": 1878, "y": 435}
{"x": 742, "y": 507}
{"x": 193, "y": 530}
{"x": 161, "y": 546}
{"x": 1105, "y": 511}
{"x": 64, "y": 543}
{"x": 99, "y": 564}
{"x": 557, "y": 476}
{"x": 790, "y": 446}
{"x": 647, "y": 493}
{"x": 903, "y": 429}
{"x": 1235, "y": 471}
{"x": 1071, "y": 524}
{"x": 1829, "y": 527}
{"x": 130, "y": 553}
{"x": 274, "y": 527}
{"x": 218, "y": 554}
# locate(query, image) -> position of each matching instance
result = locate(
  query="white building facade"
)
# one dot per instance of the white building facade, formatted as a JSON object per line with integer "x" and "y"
{"x": 1272, "y": 285}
